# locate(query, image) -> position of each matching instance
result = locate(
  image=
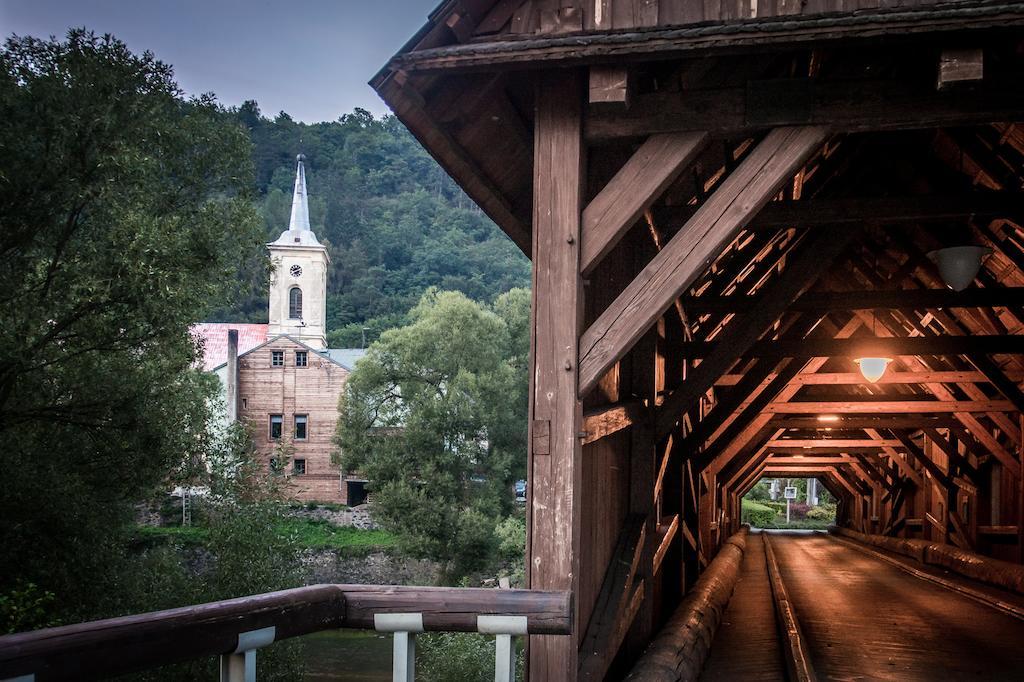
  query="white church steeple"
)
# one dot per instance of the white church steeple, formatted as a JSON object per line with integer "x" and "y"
{"x": 298, "y": 286}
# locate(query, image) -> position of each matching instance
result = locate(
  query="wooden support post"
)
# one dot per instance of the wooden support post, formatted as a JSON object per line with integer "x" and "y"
{"x": 555, "y": 409}
{"x": 647, "y": 381}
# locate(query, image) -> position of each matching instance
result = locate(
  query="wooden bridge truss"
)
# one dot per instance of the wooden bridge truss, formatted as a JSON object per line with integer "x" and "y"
{"x": 725, "y": 208}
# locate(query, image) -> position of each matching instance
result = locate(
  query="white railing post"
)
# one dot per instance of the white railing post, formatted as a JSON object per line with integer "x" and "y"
{"x": 240, "y": 664}
{"x": 503, "y": 628}
{"x": 404, "y": 626}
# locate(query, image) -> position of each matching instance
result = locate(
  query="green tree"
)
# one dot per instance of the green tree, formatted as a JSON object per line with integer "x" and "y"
{"x": 125, "y": 210}
{"x": 435, "y": 417}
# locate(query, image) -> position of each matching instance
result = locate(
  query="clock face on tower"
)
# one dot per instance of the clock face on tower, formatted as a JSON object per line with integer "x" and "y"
{"x": 295, "y": 270}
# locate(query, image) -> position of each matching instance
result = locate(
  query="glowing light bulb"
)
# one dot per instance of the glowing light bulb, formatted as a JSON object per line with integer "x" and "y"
{"x": 873, "y": 368}
{"x": 828, "y": 417}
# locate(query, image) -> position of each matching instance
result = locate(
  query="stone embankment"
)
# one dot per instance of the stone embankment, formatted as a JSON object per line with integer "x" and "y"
{"x": 355, "y": 517}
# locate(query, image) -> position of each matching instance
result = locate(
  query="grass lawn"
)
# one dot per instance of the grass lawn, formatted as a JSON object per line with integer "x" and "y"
{"x": 309, "y": 534}
{"x": 322, "y": 535}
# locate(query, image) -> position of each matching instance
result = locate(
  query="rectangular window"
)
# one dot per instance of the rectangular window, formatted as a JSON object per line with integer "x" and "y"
{"x": 299, "y": 467}
{"x": 276, "y": 422}
{"x": 277, "y": 358}
{"x": 245, "y": 403}
{"x": 300, "y": 427}
{"x": 300, "y": 358}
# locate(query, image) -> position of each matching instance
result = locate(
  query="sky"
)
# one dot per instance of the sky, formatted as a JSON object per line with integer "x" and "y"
{"x": 311, "y": 58}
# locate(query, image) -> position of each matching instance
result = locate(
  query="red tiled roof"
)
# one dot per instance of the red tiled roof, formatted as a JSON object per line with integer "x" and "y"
{"x": 214, "y": 336}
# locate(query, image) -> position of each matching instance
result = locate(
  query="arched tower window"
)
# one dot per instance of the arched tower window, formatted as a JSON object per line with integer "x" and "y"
{"x": 295, "y": 303}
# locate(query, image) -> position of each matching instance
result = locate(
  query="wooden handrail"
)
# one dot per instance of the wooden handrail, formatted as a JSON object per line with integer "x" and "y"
{"x": 117, "y": 646}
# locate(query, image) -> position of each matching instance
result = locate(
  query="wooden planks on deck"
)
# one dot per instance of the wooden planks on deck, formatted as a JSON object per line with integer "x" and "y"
{"x": 866, "y": 619}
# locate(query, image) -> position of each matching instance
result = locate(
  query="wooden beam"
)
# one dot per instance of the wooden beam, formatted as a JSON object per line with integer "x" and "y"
{"x": 606, "y": 629}
{"x": 666, "y": 533}
{"x": 604, "y": 421}
{"x": 890, "y": 407}
{"x": 954, "y": 456}
{"x": 978, "y": 430}
{"x": 906, "y": 211}
{"x": 798, "y": 460}
{"x": 750, "y": 420}
{"x": 803, "y": 269}
{"x": 835, "y": 443}
{"x": 864, "y": 422}
{"x": 726, "y": 406}
{"x": 960, "y": 66}
{"x": 902, "y": 299}
{"x": 923, "y": 459}
{"x": 843, "y": 105}
{"x": 672, "y": 41}
{"x": 823, "y": 450}
{"x": 998, "y": 530}
{"x": 738, "y": 439}
{"x": 1003, "y": 383}
{"x": 637, "y": 185}
{"x": 758, "y": 177}
{"x": 902, "y": 464}
{"x": 860, "y": 347}
{"x": 556, "y": 415}
{"x": 847, "y": 422}
{"x": 892, "y": 377}
{"x": 609, "y": 85}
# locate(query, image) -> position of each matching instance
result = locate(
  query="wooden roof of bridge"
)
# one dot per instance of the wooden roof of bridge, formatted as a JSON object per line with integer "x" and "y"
{"x": 904, "y": 167}
{"x": 460, "y": 84}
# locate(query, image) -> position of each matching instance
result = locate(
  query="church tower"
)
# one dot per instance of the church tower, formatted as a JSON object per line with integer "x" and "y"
{"x": 298, "y": 285}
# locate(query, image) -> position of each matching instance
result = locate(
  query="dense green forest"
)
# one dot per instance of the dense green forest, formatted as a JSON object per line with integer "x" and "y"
{"x": 394, "y": 222}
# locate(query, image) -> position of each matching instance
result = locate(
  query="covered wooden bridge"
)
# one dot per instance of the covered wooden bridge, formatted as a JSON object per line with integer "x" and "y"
{"x": 728, "y": 203}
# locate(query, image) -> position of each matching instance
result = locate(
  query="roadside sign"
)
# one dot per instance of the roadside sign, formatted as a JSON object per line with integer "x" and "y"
{"x": 790, "y": 492}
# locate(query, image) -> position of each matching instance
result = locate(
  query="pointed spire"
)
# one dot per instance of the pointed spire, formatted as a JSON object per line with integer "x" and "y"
{"x": 300, "y": 203}
{"x": 299, "y": 232}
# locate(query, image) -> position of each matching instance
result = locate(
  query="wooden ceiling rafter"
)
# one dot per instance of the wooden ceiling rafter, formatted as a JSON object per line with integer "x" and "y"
{"x": 812, "y": 260}
{"x": 954, "y": 328}
{"x": 675, "y": 268}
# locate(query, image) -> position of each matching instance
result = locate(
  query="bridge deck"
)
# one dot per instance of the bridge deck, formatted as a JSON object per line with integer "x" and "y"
{"x": 863, "y": 619}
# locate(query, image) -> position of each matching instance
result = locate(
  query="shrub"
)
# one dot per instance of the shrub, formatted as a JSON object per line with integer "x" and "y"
{"x": 757, "y": 514}
{"x": 825, "y": 512}
{"x": 798, "y": 510}
{"x": 456, "y": 657}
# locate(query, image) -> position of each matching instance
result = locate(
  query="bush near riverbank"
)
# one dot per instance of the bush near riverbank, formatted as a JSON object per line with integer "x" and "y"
{"x": 307, "y": 534}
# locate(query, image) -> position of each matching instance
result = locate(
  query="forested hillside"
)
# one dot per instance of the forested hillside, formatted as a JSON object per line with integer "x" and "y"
{"x": 393, "y": 221}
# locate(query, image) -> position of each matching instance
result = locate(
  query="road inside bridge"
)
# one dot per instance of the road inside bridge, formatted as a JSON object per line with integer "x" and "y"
{"x": 863, "y": 619}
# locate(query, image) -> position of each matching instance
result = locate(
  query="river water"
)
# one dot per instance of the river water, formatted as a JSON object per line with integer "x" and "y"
{"x": 347, "y": 656}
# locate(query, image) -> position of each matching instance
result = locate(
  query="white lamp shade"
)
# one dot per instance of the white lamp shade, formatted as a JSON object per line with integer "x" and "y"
{"x": 959, "y": 265}
{"x": 873, "y": 368}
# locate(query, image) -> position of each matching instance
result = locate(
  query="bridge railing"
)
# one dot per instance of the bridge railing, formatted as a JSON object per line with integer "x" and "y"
{"x": 235, "y": 629}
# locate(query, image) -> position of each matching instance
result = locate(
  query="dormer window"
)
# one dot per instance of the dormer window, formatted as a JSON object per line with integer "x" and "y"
{"x": 295, "y": 303}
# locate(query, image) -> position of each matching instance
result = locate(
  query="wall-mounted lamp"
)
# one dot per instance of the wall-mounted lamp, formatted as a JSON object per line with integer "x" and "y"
{"x": 959, "y": 265}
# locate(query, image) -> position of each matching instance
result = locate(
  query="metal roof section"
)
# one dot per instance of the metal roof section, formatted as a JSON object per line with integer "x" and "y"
{"x": 346, "y": 357}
